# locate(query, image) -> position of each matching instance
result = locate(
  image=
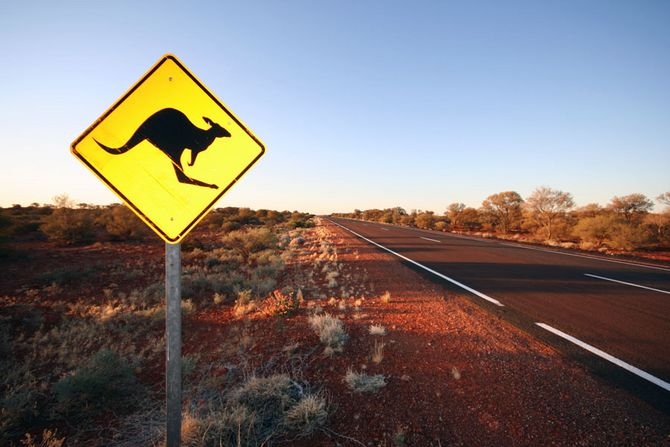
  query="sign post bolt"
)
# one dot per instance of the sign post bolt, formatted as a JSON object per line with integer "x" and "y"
{"x": 173, "y": 334}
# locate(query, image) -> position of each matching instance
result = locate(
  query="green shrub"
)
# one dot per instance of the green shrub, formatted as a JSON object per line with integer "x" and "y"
{"x": 106, "y": 382}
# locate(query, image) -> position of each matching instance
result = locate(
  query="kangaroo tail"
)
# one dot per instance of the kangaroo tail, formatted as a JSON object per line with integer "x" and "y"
{"x": 134, "y": 141}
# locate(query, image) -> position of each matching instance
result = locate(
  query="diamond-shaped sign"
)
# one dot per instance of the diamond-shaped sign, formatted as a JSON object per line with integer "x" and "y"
{"x": 169, "y": 149}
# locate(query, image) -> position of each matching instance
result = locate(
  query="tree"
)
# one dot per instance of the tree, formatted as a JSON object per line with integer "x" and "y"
{"x": 470, "y": 219}
{"x": 454, "y": 213}
{"x": 588, "y": 210}
{"x": 664, "y": 198}
{"x": 503, "y": 210}
{"x": 425, "y": 220}
{"x": 546, "y": 207}
{"x": 632, "y": 207}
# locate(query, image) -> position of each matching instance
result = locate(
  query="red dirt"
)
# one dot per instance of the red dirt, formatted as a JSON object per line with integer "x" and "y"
{"x": 457, "y": 375}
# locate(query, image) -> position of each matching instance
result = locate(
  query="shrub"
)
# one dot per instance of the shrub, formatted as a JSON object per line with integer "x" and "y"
{"x": 330, "y": 331}
{"x": 307, "y": 415}
{"x": 105, "y": 382}
{"x": 246, "y": 242}
{"x": 594, "y": 230}
{"x": 68, "y": 226}
{"x": 122, "y": 224}
{"x": 363, "y": 383}
{"x": 627, "y": 237}
{"x": 264, "y": 408}
{"x": 244, "y": 303}
{"x": 279, "y": 303}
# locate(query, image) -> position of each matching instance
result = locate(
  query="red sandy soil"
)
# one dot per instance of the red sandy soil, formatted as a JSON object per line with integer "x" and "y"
{"x": 457, "y": 375}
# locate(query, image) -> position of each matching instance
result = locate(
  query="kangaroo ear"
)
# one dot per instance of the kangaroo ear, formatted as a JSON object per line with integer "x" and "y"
{"x": 208, "y": 121}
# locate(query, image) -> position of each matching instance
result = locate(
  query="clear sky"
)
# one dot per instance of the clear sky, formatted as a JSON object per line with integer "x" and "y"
{"x": 360, "y": 104}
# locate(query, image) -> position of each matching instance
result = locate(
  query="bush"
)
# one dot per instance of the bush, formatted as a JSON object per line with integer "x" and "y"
{"x": 68, "y": 226}
{"x": 122, "y": 224}
{"x": 594, "y": 230}
{"x": 307, "y": 415}
{"x": 264, "y": 408}
{"x": 282, "y": 304}
{"x": 106, "y": 382}
{"x": 627, "y": 237}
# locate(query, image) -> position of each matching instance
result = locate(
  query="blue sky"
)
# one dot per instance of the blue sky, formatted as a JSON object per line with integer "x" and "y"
{"x": 360, "y": 103}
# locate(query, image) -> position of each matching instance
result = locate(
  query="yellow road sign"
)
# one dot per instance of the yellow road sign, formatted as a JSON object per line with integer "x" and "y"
{"x": 169, "y": 149}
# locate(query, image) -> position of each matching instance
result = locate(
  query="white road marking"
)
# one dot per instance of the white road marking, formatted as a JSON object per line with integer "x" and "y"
{"x": 429, "y": 239}
{"x": 626, "y": 283}
{"x": 385, "y": 229}
{"x": 446, "y": 278}
{"x": 597, "y": 258}
{"x": 628, "y": 367}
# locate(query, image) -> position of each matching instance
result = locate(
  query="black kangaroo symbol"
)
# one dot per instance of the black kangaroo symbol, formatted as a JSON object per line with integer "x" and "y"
{"x": 172, "y": 133}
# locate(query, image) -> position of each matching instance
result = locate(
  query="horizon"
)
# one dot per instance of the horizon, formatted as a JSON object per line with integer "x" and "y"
{"x": 360, "y": 106}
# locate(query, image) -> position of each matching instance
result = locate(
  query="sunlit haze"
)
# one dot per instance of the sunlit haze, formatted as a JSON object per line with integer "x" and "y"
{"x": 360, "y": 104}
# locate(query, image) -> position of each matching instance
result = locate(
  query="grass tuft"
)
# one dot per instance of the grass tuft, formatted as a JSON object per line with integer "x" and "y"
{"x": 363, "y": 383}
{"x": 330, "y": 331}
{"x": 377, "y": 329}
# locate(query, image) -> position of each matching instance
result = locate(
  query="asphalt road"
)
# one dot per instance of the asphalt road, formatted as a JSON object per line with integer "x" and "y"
{"x": 622, "y": 310}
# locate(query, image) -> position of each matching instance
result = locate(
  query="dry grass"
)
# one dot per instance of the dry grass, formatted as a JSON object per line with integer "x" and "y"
{"x": 386, "y": 297}
{"x": 378, "y": 352}
{"x": 377, "y": 329}
{"x": 363, "y": 383}
{"x": 330, "y": 331}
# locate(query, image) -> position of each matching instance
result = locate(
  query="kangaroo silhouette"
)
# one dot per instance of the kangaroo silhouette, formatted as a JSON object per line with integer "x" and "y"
{"x": 172, "y": 133}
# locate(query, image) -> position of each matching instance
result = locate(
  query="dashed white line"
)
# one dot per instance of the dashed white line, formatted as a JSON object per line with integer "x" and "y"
{"x": 628, "y": 367}
{"x": 627, "y": 283}
{"x": 446, "y": 278}
{"x": 597, "y": 258}
{"x": 429, "y": 239}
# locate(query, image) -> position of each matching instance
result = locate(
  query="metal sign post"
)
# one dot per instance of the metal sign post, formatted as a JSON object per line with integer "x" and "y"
{"x": 173, "y": 342}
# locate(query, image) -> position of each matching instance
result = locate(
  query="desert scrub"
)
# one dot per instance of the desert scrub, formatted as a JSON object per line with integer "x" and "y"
{"x": 105, "y": 382}
{"x": 244, "y": 304}
{"x": 281, "y": 304}
{"x": 263, "y": 409}
{"x": 363, "y": 383}
{"x": 330, "y": 331}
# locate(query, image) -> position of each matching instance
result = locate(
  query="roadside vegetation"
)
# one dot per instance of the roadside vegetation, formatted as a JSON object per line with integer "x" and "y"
{"x": 82, "y": 344}
{"x": 547, "y": 216}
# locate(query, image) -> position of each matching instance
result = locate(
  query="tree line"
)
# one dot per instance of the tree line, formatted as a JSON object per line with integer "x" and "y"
{"x": 547, "y": 215}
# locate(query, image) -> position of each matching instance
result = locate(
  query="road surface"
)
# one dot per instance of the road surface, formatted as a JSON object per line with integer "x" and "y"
{"x": 615, "y": 309}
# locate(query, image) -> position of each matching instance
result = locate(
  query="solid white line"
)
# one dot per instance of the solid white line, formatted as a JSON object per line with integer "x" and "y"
{"x": 429, "y": 239}
{"x": 645, "y": 375}
{"x": 446, "y": 278}
{"x": 627, "y": 283}
{"x": 597, "y": 258}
